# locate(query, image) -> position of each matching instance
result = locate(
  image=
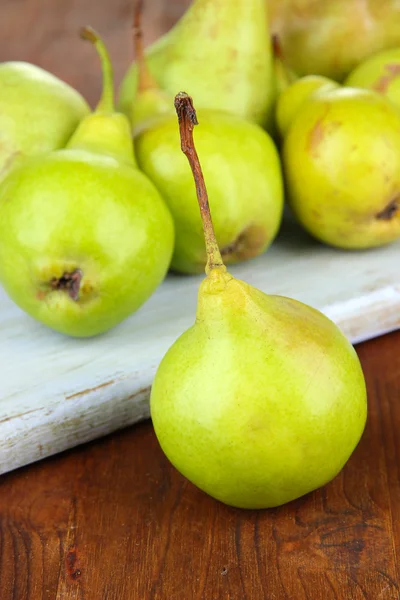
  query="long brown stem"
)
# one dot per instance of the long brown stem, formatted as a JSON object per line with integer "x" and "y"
{"x": 146, "y": 80}
{"x": 187, "y": 120}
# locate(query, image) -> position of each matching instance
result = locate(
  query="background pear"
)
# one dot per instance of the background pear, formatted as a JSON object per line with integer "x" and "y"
{"x": 219, "y": 50}
{"x": 293, "y": 97}
{"x": 331, "y": 38}
{"x": 381, "y": 73}
{"x": 38, "y": 113}
{"x": 85, "y": 236}
{"x": 244, "y": 177}
{"x": 341, "y": 159}
{"x": 263, "y": 399}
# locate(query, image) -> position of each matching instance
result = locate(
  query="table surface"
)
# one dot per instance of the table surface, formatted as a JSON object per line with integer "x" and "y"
{"x": 112, "y": 520}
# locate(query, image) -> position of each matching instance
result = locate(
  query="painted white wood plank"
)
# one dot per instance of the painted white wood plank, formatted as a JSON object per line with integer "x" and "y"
{"x": 57, "y": 392}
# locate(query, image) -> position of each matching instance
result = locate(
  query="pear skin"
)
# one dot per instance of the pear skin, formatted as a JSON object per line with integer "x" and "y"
{"x": 293, "y": 97}
{"x": 341, "y": 159}
{"x": 38, "y": 113}
{"x": 381, "y": 73}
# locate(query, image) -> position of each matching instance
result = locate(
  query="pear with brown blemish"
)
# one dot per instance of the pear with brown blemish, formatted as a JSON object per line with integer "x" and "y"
{"x": 341, "y": 158}
{"x": 85, "y": 236}
{"x": 263, "y": 398}
{"x": 381, "y": 73}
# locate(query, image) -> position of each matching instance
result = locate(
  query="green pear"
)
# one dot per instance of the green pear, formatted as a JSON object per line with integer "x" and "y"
{"x": 293, "y": 97}
{"x": 38, "y": 113}
{"x": 219, "y": 50}
{"x": 381, "y": 73}
{"x": 262, "y": 399}
{"x": 243, "y": 169}
{"x": 332, "y": 38}
{"x": 85, "y": 236}
{"x": 341, "y": 159}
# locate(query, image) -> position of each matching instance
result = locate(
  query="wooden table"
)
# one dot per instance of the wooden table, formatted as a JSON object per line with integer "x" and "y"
{"x": 114, "y": 521}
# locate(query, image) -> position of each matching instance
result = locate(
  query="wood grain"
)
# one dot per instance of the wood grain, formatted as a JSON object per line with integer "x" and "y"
{"x": 114, "y": 521}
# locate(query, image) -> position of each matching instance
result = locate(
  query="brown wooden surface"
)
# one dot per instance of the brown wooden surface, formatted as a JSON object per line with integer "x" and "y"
{"x": 114, "y": 521}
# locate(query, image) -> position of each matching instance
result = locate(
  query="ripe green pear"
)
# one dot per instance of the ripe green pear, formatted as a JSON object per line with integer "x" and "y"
{"x": 263, "y": 399}
{"x": 341, "y": 159}
{"x": 85, "y": 236}
{"x": 293, "y": 97}
{"x": 381, "y": 73}
{"x": 38, "y": 113}
{"x": 244, "y": 177}
{"x": 219, "y": 50}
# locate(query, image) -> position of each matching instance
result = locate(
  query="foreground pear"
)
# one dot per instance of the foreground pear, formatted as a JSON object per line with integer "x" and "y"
{"x": 331, "y": 38}
{"x": 341, "y": 159}
{"x": 263, "y": 399}
{"x": 221, "y": 51}
{"x": 85, "y": 237}
{"x": 38, "y": 113}
{"x": 381, "y": 73}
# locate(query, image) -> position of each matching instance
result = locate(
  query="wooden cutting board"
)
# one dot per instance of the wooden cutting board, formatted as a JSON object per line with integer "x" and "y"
{"x": 56, "y": 392}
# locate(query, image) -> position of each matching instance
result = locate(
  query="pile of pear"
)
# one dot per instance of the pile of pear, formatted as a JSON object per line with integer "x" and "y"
{"x": 97, "y": 206}
{"x": 263, "y": 399}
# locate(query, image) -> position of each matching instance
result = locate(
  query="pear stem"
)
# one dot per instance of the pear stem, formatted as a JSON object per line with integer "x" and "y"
{"x": 277, "y": 47}
{"x": 146, "y": 80}
{"x": 187, "y": 120}
{"x": 106, "y": 104}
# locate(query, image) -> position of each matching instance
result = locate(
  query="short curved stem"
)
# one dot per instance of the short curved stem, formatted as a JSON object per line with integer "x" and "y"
{"x": 106, "y": 103}
{"x": 146, "y": 80}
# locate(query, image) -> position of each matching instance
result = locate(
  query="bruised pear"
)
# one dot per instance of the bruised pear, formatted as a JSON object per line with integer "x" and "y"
{"x": 262, "y": 399}
{"x": 341, "y": 158}
{"x": 85, "y": 236}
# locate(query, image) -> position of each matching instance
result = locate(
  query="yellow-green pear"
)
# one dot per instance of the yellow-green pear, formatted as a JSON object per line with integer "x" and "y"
{"x": 381, "y": 73}
{"x": 222, "y": 52}
{"x": 293, "y": 97}
{"x": 341, "y": 159}
{"x": 262, "y": 399}
{"x": 38, "y": 113}
{"x": 85, "y": 236}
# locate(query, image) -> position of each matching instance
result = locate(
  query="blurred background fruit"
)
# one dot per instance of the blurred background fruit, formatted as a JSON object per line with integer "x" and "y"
{"x": 331, "y": 38}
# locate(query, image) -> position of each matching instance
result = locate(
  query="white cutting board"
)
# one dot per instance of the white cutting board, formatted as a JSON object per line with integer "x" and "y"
{"x": 57, "y": 392}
